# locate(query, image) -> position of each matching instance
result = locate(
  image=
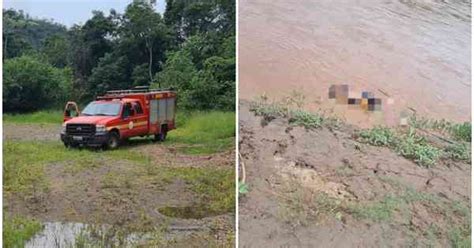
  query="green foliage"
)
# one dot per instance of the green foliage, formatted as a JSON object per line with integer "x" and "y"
{"x": 296, "y": 116}
{"x": 460, "y": 237}
{"x": 192, "y": 49}
{"x": 110, "y": 74}
{"x": 306, "y": 119}
{"x": 243, "y": 188}
{"x": 409, "y": 145}
{"x": 416, "y": 148}
{"x": 205, "y": 132}
{"x": 18, "y": 230}
{"x": 377, "y": 136}
{"x": 459, "y": 131}
{"x": 178, "y": 72}
{"x": 459, "y": 151}
{"x": 54, "y": 49}
{"x": 268, "y": 111}
{"x": 299, "y": 206}
{"x": 30, "y": 84}
{"x": 462, "y": 131}
{"x": 22, "y": 34}
{"x": 203, "y": 71}
{"x": 39, "y": 117}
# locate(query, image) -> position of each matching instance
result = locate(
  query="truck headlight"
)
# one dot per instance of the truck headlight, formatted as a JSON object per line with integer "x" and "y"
{"x": 100, "y": 129}
{"x": 63, "y": 128}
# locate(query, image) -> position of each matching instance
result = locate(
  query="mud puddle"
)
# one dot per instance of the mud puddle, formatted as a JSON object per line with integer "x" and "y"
{"x": 413, "y": 54}
{"x": 70, "y": 234}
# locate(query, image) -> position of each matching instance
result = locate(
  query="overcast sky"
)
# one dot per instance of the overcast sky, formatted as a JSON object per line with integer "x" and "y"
{"x": 69, "y": 12}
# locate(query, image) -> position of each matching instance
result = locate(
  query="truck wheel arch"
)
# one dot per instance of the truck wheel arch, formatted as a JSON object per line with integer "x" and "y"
{"x": 113, "y": 134}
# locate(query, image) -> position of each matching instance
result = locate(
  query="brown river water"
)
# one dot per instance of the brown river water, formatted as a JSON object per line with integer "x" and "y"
{"x": 414, "y": 54}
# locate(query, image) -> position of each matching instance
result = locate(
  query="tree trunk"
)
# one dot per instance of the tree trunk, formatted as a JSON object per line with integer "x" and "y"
{"x": 5, "y": 50}
{"x": 150, "y": 62}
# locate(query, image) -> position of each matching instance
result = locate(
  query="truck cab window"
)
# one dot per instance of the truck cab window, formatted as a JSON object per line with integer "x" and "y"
{"x": 127, "y": 110}
{"x": 138, "y": 108}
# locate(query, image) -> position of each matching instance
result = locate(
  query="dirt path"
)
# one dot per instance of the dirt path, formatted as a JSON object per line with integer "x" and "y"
{"x": 124, "y": 193}
{"x": 39, "y": 132}
{"x": 321, "y": 188}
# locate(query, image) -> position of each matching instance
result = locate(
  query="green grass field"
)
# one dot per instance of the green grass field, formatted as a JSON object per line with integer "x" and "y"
{"x": 40, "y": 117}
{"x": 25, "y": 163}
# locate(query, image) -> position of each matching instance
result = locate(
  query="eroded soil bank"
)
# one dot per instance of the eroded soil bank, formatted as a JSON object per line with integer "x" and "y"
{"x": 323, "y": 188}
{"x": 139, "y": 190}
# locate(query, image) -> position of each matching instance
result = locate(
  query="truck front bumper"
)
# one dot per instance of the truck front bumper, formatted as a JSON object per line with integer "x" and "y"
{"x": 91, "y": 140}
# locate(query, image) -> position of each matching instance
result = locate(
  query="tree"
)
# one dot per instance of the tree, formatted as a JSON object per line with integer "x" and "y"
{"x": 142, "y": 25}
{"x": 22, "y": 33}
{"x": 31, "y": 84}
{"x": 178, "y": 72}
{"x": 56, "y": 49}
{"x": 112, "y": 73}
{"x": 89, "y": 43}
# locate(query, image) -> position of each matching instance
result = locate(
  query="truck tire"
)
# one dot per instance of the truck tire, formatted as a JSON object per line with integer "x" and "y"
{"x": 113, "y": 141}
{"x": 162, "y": 135}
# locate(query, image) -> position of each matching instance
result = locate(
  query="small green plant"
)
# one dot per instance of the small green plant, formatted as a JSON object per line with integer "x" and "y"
{"x": 243, "y": 188}
{"x": 458, "y": 152}
{"x": 414, "y": 147}
{"x": 459, "y": 131}
{"x": 462, "y": 131}
{"x": 306, "y": 119}
{"x": 269, "y": 112}
{"x": 409, "y": 145}
{"x": 378, "y": 136}
{"x": 300, "y": 206}
{"x": 377, "y": 211}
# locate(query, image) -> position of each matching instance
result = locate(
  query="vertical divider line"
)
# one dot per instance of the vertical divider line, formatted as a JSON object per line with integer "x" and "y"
{"x": 236, "y": 123}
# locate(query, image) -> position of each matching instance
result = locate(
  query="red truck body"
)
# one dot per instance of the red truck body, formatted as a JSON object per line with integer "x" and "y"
{"x": 119, "y": 115}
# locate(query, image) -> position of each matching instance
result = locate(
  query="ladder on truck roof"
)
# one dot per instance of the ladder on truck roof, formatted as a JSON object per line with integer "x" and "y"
{"x": 138, "y": 89}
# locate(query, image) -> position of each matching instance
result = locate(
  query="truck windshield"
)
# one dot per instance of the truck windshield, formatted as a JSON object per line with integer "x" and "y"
{"x": 107, "y": 109}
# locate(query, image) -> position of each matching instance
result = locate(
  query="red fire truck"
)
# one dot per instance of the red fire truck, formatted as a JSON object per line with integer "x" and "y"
{"x": 119, "y": 115}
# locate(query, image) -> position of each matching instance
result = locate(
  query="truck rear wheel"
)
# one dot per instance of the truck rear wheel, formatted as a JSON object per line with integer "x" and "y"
{"x": 113, "y": 141}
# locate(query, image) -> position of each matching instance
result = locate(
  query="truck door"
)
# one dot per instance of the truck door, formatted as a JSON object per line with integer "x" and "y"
{"x": 134, "y": 123}
{"x": 140, "y": 127}
{"x": 71, "y": 110}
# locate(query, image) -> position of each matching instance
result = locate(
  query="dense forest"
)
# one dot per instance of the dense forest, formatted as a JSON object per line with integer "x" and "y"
{"x": 190, "y": 48}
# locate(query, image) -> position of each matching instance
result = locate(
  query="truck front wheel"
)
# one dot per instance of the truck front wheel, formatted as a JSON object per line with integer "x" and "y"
{"x": 113, "y": 141}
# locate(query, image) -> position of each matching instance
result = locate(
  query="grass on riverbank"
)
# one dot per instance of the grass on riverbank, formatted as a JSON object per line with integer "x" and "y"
{"x": 414, "y": 146}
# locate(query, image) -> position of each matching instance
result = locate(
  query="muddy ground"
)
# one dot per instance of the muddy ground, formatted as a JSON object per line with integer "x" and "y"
{"x": 322, "y": 188}
{"x": 125, "y": 195}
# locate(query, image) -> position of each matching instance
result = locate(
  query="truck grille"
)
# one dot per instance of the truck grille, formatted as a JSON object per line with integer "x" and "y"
{"x": 80, "y": 129}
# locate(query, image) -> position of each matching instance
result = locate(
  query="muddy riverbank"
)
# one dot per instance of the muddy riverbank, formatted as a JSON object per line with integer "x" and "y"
{"x": 323, "y": 186}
